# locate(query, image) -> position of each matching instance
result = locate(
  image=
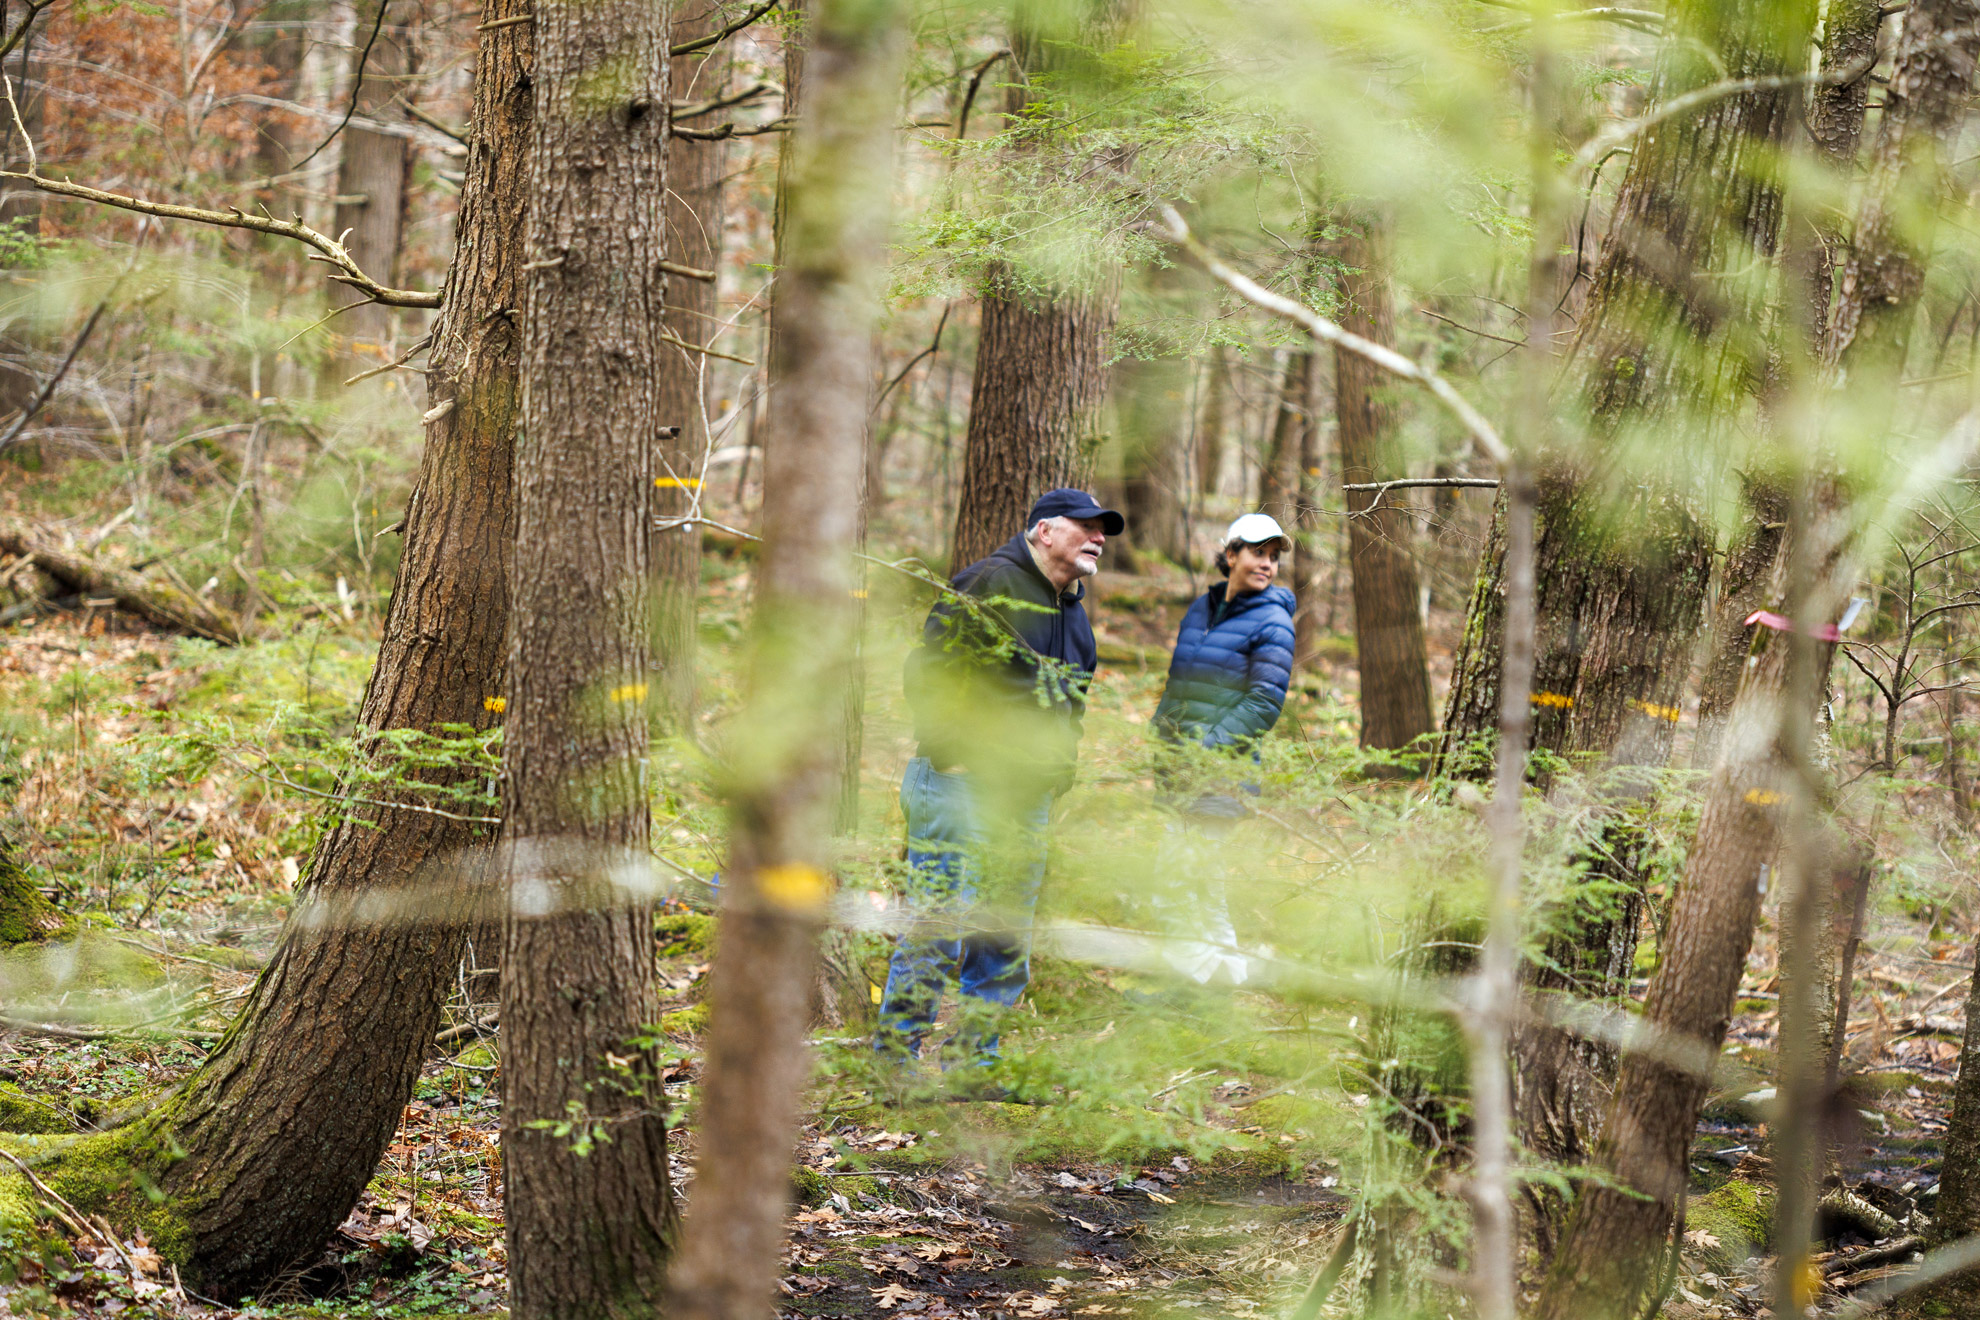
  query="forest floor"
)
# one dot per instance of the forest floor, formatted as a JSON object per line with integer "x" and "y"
{"x": 1219, "y": 1190}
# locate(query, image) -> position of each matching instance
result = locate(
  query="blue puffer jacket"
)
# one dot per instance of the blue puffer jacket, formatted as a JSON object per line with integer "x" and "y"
{"x": 1233, "y": 661}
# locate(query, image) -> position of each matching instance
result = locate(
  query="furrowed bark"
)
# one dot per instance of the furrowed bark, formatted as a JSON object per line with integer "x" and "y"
{"x": 283, "y": 1126}
{"x": 1614, "y": 1237}
{"x": 1041, "y": 354}
{"x": 788, "y": 744}
{"x": 1388, "y": 618}
{"x": 591, "y": 1213}
{"x": 1034, "y": 402}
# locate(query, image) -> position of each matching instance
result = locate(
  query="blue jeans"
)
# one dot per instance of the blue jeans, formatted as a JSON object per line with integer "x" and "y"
{"x": 977, "y": 859}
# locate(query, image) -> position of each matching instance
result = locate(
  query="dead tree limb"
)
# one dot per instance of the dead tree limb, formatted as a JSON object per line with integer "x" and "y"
{"x": 165, "y": 605}
{"x": 329, "y": 250}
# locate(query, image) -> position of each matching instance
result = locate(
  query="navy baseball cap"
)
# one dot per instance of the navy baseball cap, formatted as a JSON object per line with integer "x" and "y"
{"x": 1069, "y": 503}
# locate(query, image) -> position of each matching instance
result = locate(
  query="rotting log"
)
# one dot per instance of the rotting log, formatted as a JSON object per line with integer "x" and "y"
{"x": 162, "y": 603}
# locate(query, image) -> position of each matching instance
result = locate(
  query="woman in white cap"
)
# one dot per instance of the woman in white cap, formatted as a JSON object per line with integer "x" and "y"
{"x": 1227, "y": 683}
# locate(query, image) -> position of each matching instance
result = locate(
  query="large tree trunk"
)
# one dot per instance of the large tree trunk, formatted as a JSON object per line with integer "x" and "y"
{"x": 372, "y": 176}
{"x": 1623, "y": 584}
{"x": 1041, "y": 354}
{"x": 590, "y": 1213}
{"x": 1279, "y": 478}
{"x": 282, "y": 1127}
{"x": 1619, "y": 1229}
{"x": 776, "y": 886}
{"x": 1388, "y": 615}
{"x": 694, "y": 238}
{"x": 1034, "y": 402}
{"x": 1616, "y": 1239}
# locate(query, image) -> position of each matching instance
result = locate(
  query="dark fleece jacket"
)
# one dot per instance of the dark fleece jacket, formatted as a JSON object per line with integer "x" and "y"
{"x": 984, "y": 700}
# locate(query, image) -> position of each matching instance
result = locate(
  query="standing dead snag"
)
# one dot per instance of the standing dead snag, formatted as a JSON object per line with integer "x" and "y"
{"x": 590, "y": 1209}
{"x": 786, "y": 769}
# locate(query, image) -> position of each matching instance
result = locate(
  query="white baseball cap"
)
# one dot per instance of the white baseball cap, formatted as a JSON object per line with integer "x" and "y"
{"x": 1257, "y": 529}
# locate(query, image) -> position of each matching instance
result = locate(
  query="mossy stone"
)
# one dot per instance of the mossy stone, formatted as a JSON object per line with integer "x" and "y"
{"x": 1738, "y": 1215}
{"x": 684, "y": 934}
{"x": 477, "y": 1055}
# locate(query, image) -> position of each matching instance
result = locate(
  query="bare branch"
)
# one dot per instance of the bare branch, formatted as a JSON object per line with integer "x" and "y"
{"x": 688, "y": 272}
{"x": 1621, "y": 132}
{"x": 695, "y": 109}
{"x": 1423, "y": 483}
{"x": 330, "y": 251}
{"x": 710, "y": 352}
{"x": 1330, "y": 332}
{"x": 975, "y": 84}
{"x": 714, "y": 38}
{"x": 782, "y": 125}
{"x": 47, "y": 389}
{"x": 357, "y": 89}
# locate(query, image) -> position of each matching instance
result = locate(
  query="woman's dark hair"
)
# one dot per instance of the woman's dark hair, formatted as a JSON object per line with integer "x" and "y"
{"x": 1223, "y": 560}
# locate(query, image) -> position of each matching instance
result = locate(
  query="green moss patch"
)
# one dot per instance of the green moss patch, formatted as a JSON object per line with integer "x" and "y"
{"x": 1728, "y": 1224}
{"x": 22, "y": 1112}
{"x": 689, "y": 1021}
{"x": 684, "y": 934}
{"x": 26, "y": 915}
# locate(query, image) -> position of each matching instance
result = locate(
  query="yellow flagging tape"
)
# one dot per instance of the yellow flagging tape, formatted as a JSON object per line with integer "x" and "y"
{"x": 794, "y": 886}
{"x": 858, "y": 593}
{"x": 628, "y": 692}
{"x": 496, "y": 704}
{"x": 874, "y": 991}
{"x": 678, "y": 483}
{"x": 1552, "y": 699}
{"x": 1671, "y": 713}
{"x": 1764, "y": 797}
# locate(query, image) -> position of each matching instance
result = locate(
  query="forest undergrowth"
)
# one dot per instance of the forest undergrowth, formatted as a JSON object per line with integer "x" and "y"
{"x": 1196, "y": 1149}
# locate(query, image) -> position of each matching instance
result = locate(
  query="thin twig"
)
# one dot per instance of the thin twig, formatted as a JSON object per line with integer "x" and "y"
{"x": 1615, "y": 135}
{"x": 695, "y": 109}
{"x": 727, "y": 131}
{"x": 688, "y": 272}
{"x": 934, "y": 347}
{"x": 357, "y": 88}
{"x": 703, "y": 43}
{"x": 969, "y": 97}
{"x": 394, "y": 365}
{"x": 515, "y": 20}
{"x": 698, "y": 348}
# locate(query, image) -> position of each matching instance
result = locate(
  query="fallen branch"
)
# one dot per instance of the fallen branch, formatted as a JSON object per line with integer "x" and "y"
{"x": 165, "y": 605}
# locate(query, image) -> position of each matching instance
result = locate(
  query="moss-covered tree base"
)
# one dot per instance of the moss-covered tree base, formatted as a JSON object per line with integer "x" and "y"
{"x": 113, "y": 1174}
{"x": 25, "y": 914}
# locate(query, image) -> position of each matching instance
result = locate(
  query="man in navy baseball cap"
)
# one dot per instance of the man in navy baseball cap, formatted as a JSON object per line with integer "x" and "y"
{"x": 1066, "y": 502}
{"x": 998, "y": 690}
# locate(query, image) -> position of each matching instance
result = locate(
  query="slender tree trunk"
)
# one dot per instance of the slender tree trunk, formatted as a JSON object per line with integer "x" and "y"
{"x": 1313, "y": 525}
{"x": 283, "y": 1126}
{"x": 776, "y": 887}
{"x": 694, "y": 236}
{"x": 1609, "y": 1257}
{"x": 1279, "y": 481}
{"x": 1154, "y": 423}
{"x": 1388, "y": 617}
{"x": 590, "y": 1213}
{"x": 373, "y": 174}
{"x": 1745, "y": 580}
{"x": 1214, "y": 421}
